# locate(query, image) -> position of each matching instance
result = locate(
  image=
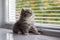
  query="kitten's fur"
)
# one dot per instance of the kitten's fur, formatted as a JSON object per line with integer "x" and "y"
{"x": 25, "y": 23}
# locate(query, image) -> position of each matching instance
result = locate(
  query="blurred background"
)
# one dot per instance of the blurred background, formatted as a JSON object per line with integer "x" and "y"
{"x": 46, "y": 11}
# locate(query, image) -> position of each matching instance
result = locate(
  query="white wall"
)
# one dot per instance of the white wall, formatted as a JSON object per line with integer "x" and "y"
{"x": 1, "y": 12}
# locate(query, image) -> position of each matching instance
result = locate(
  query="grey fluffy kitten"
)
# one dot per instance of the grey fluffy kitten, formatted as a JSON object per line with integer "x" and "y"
{"x": 25, "y": 23}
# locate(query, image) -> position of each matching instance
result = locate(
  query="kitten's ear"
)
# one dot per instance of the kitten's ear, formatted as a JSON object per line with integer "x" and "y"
{"x": 22, "y": 9}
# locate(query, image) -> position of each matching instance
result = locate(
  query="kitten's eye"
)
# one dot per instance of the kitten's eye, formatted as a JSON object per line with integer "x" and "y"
{"x": 27, "y": 12}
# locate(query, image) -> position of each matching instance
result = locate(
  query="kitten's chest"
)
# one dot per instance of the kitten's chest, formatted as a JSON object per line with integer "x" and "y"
{"x": 30, "y": 20}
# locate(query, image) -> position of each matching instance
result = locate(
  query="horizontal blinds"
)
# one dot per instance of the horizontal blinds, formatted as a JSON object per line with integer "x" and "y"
{"x": 46, "y": 11}
{"x": 10, "y": 11}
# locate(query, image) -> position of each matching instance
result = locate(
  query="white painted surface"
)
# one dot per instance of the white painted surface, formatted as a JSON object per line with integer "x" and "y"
{"x": 6, "y": 34}
{"x": 0, "y": 13}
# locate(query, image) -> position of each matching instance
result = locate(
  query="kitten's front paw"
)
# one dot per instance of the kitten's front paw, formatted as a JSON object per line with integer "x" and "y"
{"x": 15, "y": 32}
{"x": 37, "y": 33}
{"x": 26, "y": 33}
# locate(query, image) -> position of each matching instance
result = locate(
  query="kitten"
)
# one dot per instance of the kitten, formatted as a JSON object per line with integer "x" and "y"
{"x": 25, "y": 22}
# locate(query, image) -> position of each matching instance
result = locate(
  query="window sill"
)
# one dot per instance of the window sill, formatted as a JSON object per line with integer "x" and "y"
{"x": 48, "y": 26}
{"x": 49, "y": 29}
{"x": 45, "y": 26}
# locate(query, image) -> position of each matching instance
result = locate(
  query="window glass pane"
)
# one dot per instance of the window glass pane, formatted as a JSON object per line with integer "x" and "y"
{"x": 46, "y": 11}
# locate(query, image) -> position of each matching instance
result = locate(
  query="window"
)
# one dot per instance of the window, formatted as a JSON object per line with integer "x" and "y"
{"x": 46, "y": 11}
{"x": 10, "y": 11}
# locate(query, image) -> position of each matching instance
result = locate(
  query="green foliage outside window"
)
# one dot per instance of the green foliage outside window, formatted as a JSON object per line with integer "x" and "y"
{"x": 46, "y": 10}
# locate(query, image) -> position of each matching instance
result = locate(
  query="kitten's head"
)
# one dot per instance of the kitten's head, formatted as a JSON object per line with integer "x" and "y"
{"x": 26, "y": 12}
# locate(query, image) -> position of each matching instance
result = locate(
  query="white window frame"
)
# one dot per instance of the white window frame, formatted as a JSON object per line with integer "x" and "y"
{"x": 9, "y": 9}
